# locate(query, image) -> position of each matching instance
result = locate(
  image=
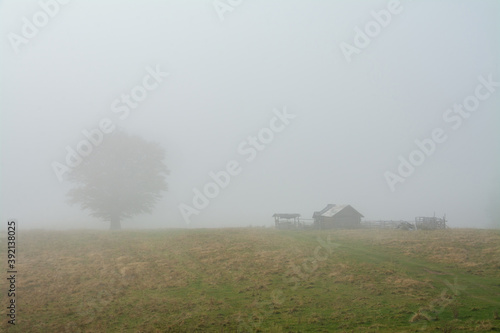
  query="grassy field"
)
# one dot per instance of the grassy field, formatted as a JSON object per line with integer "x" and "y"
{"x": 256, "y": 280}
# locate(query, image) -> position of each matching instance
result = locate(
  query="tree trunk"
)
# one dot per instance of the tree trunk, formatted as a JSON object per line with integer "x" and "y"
{"x": 115, "y": 223}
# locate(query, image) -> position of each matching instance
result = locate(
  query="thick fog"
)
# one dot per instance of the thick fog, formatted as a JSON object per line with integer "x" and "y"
{"x": 391, "y": 107}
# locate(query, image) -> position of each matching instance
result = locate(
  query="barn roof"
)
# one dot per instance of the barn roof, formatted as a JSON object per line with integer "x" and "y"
{"x": 333, "y": 209}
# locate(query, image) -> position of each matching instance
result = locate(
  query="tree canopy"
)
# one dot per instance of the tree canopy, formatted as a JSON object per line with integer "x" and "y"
{"x": 122, "y": 177}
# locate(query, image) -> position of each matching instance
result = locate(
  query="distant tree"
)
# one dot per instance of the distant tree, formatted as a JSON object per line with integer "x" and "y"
{"x": 122, "y": 177}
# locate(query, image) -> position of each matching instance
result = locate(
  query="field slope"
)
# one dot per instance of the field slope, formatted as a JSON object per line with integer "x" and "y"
{"x": 257, "y": 280}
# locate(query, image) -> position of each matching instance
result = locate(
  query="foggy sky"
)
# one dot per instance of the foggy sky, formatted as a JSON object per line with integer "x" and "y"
{"x": 226, "y": 81}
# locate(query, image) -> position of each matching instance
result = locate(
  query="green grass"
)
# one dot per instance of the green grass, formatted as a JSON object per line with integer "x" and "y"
{"x": 257, "y": 280}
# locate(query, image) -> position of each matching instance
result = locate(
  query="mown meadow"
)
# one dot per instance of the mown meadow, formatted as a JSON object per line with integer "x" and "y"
{"x": 256, "y": 280}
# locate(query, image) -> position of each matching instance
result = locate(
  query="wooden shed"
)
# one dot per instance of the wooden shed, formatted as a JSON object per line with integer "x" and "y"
{"x": 337, "y": 216}
{"x": 286, "y": 221}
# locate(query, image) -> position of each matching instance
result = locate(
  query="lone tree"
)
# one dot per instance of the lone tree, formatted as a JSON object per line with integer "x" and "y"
{"x": 122, "y": 177}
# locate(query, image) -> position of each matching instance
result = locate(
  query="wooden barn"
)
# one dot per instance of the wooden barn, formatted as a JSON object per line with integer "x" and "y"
{"x": 337, "y": 216}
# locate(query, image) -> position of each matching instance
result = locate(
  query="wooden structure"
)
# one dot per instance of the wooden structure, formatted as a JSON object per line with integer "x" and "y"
{"x": 381, "y": 224}
{"x": 346, "y": 217}
{"x": 421, "y": 223}
{"x": 337, "y": 216}
{"x": 286, "y": 221}
{"x": 430, "y": 223}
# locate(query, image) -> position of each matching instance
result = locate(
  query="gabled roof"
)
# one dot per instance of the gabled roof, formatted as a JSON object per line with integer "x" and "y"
{"x": 332, "y": 210}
